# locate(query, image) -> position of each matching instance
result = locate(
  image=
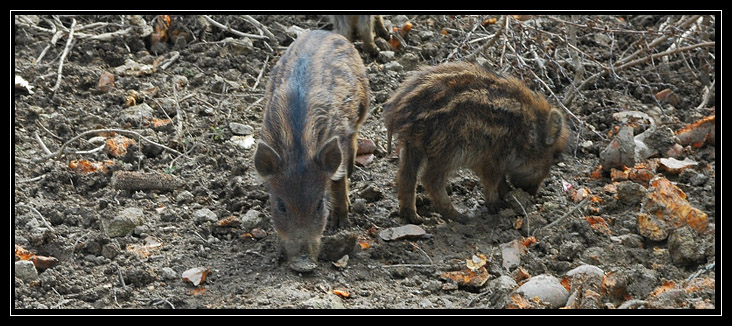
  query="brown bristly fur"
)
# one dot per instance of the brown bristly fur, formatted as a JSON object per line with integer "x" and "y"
{"x": 460, "y": 115}
{"x": 316, "y": 100}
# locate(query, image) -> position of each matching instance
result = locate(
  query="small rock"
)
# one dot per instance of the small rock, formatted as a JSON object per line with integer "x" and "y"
{"x": 620, "y": 152}
{"x": 365, "y": 146}
{"x": 334, "y": 247}
{"x": 184, "y": 197}
{"x": 241, "y": 46}
{"x": 125, "y": 222}
{"x": 358, "y": 206}
{"x": 393, "y": 66}
{"x": 511, "y": 253}
{"x": 545, "y": 287}
{"x": 408, "y": 231}
{"x": 240, "y": 129}
{"x": 111, "y": 249}
{"x": 684, "y": 247}
{"x": 499, "y": 290}
{"x": 243, "y": 142}
{"x": 26, "y": 271}
{"x": 106, "y": 82}
{"x": 385, "y": 56}
{"x": 630, "y": 193}
{"x": 251, "y": 219}
{"x": 136, "y": 115}
{"x": 364, "y": 159}
{"x": 168, "y": 273}
{"x": 371, "y": 193}
{"x": 203, "y": 215}
{"x": 409, "y": 61}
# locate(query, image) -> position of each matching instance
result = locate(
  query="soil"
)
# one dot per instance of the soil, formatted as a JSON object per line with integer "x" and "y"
{"x": 217, "y": 217}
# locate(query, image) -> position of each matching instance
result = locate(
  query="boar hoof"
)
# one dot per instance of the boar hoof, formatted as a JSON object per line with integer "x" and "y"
{"x": 303, "y": 264}
{"x": 412, "y": 216}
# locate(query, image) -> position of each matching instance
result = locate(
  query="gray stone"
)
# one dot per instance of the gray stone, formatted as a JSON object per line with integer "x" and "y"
{"x": 137, "y": 115}
{"x": 125, "y": 222}
{"x": 630, "y": 193}
{"x": 251, "y": 219}
{"x": 545, "y": 287}
{"x": 204, "y": 215}
{"x": 240, "y": 129}
{"x": 26, "y": 271}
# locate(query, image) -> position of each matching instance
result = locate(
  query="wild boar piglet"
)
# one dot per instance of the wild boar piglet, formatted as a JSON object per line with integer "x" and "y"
{"x": 461, "y": 115}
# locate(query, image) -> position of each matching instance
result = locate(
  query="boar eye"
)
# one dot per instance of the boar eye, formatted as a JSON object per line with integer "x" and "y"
{"x": 280, "y": 205}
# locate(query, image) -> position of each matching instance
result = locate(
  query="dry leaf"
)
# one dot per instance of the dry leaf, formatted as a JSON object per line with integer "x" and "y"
{"x": 196, "y": 275}
{"x": 117, "y": 146}
{"x": 476, "y": 262}
{"x": 341, "y": 263}
{"x": 598, "y": 224}
{"x": 674, "y": 166}
{"x": 467, "y": 277}
{"x": 86, "y": 166}
{"x": 342, "y": 293}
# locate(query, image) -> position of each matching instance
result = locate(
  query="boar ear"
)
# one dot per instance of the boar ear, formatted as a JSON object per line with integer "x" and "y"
{"x": 329, "y": 156}
{"x": 266, "y": 160}
{"x": 554, "y": 127}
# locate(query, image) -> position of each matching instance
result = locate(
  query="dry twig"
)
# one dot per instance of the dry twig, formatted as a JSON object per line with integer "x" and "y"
{"x": 63, "y": 55}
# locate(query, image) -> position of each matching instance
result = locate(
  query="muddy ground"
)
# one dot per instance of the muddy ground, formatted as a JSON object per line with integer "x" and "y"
{"x": 99, "y": 246}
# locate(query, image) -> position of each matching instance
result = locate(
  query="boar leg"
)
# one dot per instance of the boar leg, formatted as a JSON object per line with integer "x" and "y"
{"x": 351, "y": 153}
{"x": 434, "y": 179}
{"x": 494, "y": 185}
{"x": 409, "y": 163}
{"x": 339, "y": 198}
{"x": 364, "y": 28}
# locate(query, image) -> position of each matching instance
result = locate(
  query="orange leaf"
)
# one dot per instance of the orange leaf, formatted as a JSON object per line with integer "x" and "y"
{"x": 23, "y": 253}
{"x": 528, "y": 241}
{"x": 342, "y": 293}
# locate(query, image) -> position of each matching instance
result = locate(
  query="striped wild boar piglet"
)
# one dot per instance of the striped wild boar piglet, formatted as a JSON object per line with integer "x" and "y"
{"x": 460, "y": 115}
{"x": 316, "y": 99}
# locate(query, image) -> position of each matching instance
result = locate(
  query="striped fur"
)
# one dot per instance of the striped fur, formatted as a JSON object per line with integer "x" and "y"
{"x": 460, "y": 115}
{"x": 316, "y": 99}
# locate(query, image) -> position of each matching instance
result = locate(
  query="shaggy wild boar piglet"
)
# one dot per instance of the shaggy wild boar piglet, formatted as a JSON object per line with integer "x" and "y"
{"x": 316, "y": 99}
{"x": 460, "y": 115}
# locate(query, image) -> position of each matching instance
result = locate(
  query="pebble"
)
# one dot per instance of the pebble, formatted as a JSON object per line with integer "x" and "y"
{"x": 408, "y": 231}
{"x": 240, "y": 129}
{"x": 26, "y": 271}
{"x": 169, "y": 273}
{"x": 136, "y": 115}
{"x": 371, "y": 193}
{"x": 251, "y": 219}
{"x": 393, "y": 66}
{"x": 124, "y": 223}
{"x": 243, "y": 142}
{"x": 204, "y": 215}
{"x": 184, "y": 197}
{"x": 630, "y": 193}
{"x": 684, "y": 247}
{"x": 511, "y": 253}
{"x": 545, "y": 287}
{"x": 385, "y": 56}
